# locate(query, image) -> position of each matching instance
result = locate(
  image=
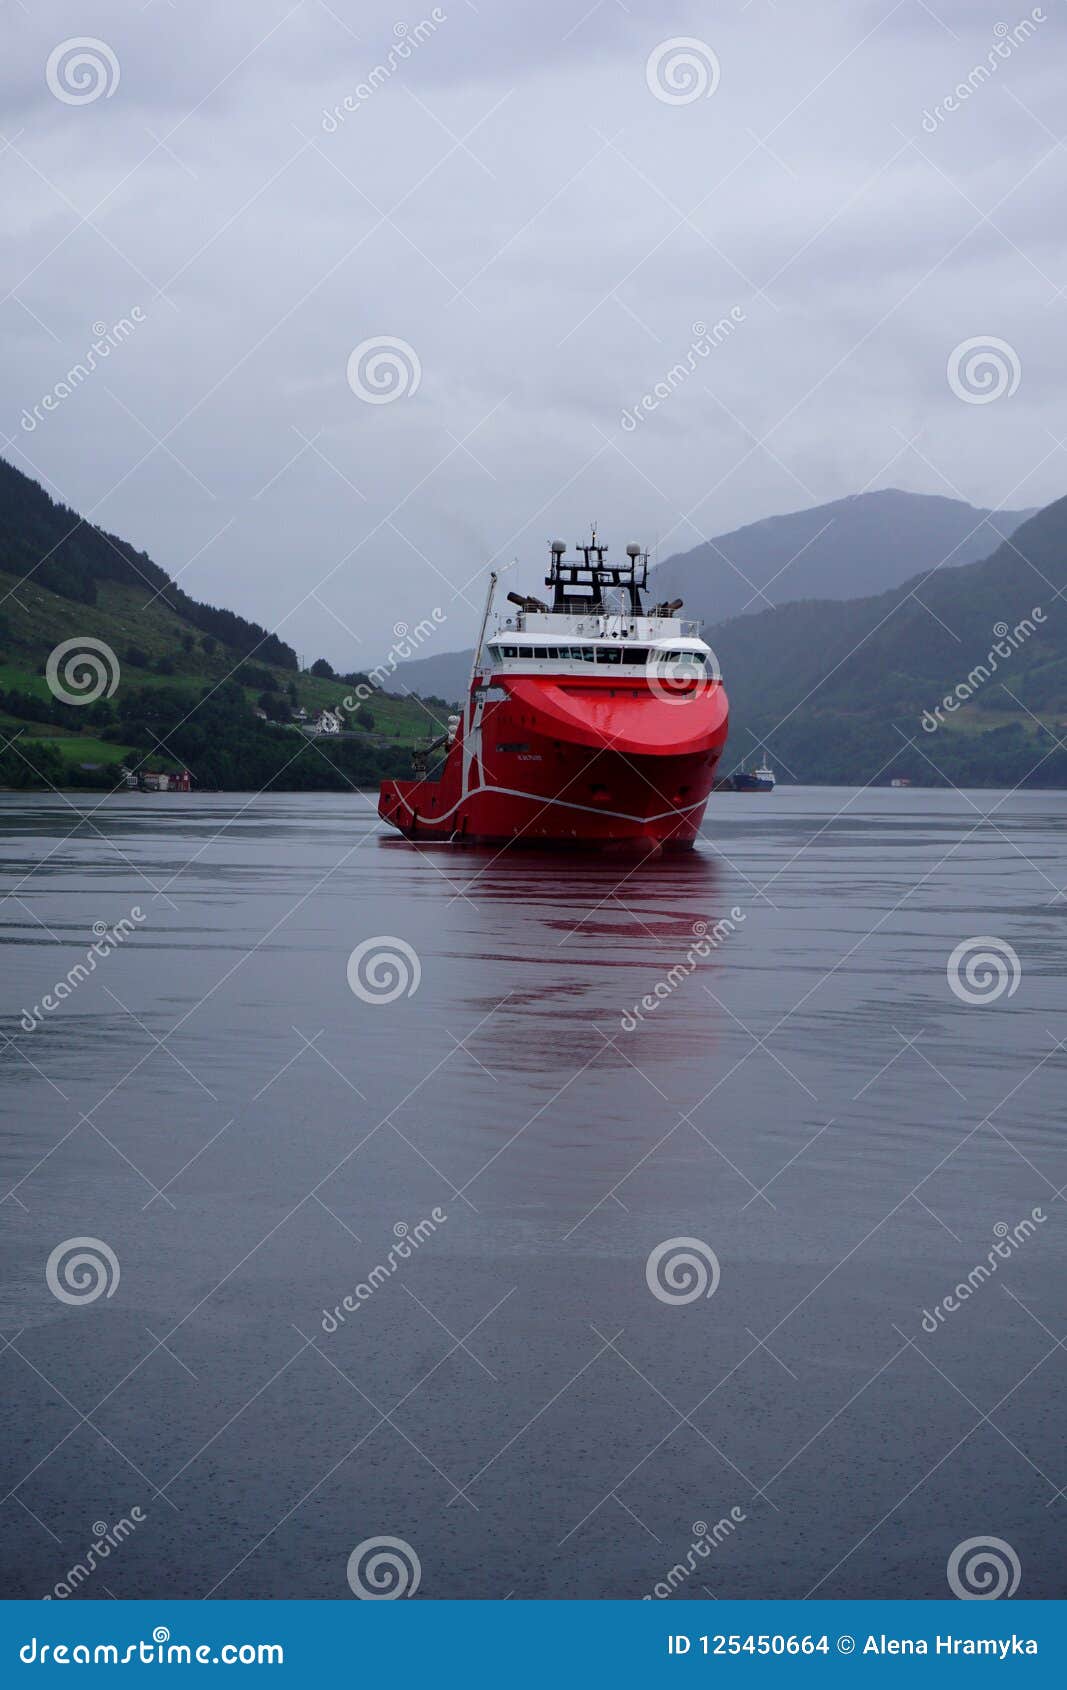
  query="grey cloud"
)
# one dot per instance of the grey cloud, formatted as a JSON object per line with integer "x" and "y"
{"x": 591, "y": 228}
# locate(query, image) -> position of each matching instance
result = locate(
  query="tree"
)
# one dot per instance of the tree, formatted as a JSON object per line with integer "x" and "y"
{"x": 365, "y": 717}
{"x": 323, "y": 670}
{"x": 188, "y": 642}
{"x": 207, "y": 645}
{"x": 139, "y": 659}
{"x": 252, "y": 675}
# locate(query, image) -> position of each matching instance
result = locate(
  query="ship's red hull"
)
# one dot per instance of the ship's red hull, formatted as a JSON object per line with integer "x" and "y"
{"x": 570, "y": 761}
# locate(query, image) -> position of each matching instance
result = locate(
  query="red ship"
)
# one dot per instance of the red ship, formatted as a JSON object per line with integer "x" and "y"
{"x": 587, "y": 722}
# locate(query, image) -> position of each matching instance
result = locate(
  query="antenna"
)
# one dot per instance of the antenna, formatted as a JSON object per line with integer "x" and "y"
{"x": 579, "y": 585}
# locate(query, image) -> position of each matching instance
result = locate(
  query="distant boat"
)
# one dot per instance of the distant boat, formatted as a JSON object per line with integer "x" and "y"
{"x": 755, "y": 780}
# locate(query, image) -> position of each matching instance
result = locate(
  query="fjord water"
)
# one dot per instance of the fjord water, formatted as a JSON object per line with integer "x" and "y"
{"x": 250, "y": 1137}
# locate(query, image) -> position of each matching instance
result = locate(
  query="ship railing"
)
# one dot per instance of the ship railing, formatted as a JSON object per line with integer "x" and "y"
{"x": 688, "y": 626}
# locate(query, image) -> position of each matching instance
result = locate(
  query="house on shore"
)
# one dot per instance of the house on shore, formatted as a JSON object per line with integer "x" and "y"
{"x": 163, "y": 780}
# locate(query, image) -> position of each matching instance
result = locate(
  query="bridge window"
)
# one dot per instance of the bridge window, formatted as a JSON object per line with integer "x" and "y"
{"x": 680, "y": 657}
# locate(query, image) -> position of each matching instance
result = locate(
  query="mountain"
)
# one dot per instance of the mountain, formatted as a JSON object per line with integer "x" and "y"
{"x": 835, "y": 690}
{"x": 853, "y": 691}
{"x": 856, "y": 692}
{"x": 193, "y": 682}
{"x": 842, "y": 550}
{"x": 837, "y": 551}
{"x": 60, "y": 550}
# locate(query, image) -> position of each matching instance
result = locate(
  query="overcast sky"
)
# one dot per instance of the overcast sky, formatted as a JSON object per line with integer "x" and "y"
{"x": 517, "y": 203}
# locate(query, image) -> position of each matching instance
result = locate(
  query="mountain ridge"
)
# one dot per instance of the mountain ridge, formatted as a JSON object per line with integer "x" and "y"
{"x": 194, "y": 685}
{"x": 822, "y": 543}
{"x": 896, "y": 532}
{"x": 849, "y": 690}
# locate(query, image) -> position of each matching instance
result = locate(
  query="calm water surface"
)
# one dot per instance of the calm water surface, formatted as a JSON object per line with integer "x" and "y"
{"x": 250, "y": 1137}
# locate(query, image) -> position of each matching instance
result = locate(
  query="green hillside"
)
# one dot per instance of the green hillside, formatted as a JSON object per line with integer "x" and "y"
{"x": 191, "y": 678}
{"x": 836, "y": 690}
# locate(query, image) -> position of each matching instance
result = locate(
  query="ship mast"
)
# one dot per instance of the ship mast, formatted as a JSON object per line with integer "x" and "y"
{"x": 578, "y": 586}
{"x": 485, "y": 623}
